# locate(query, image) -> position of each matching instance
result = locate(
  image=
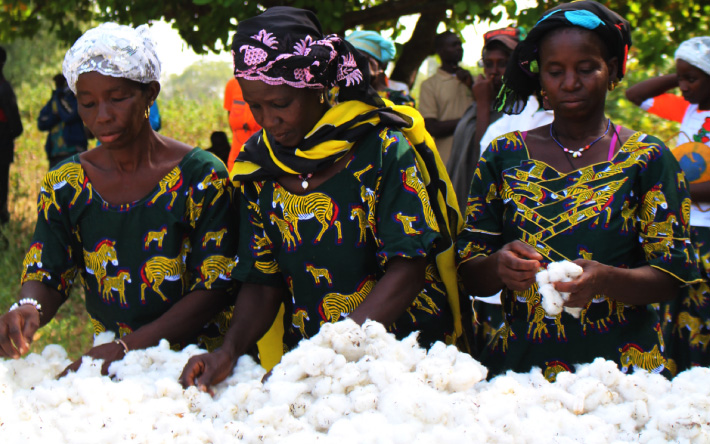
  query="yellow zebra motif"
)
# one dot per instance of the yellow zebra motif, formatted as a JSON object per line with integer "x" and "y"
{"x": 44, "y": 201}
{"x": 664, "y": 246}
{"x": 158, "y": 269}
{"x": 216, "y": 267}
{"x": 422, "y": 302}
{"x": 285, "y": 230}
{"x": 267, "y": 267}
{"x": 473, "y": 206}
{"x": 97, "y": 326}
{"x": 71, "y": 174}
{"x": 357, "y": 174}
{"x": 407, "y": 222}
{"x": 356, "y": 211}
{"x": 540, "y": 326}
{"x": 157, "y": 236}
{"x": 33, "y": 257}
{"x": 193, "y": 210}
{"x": 214, "y": 180}
{"x": 413, "y": 184}
{"x": 685, "y": 211}
{"x": 368, "y": 197}
{"x": 116, "y": 283}
{"x": 318, "y": 273}
{"x": 633, "y": 356}
{"x": 95, "y": 261}
{"x": 335, "y": 305}
{"x": 628, "y": 213}
{"x": 387, "y": 140}
{"x": 298, "y": 320}
{"x": 171, "y": 183}
{"x": 313, "y": 205}
{"x": 502, "y": 335}
{"x": 686, "y": 320}
{"x": 653, "y": 199}
{"x": 664, "y": 228}
{"x": 215, "y": 236}
{"x": 38, "y": 276}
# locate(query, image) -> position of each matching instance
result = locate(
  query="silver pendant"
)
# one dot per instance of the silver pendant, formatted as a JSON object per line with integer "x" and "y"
{"x": 304, "y": 184}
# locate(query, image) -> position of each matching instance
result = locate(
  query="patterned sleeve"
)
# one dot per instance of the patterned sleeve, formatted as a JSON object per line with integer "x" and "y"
{"x": 50, "y": 256}
{"x": 256, "y": 262}
{"x": 663, "y": 214}
{"x": 482, "y": 232}
{"x": 406, "y": 225}
{"x": 214, "y": 235}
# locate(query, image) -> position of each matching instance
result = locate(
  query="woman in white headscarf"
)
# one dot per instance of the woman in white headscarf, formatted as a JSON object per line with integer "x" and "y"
{"x": 691, "y": 313}
{"x": 142, "y": 220}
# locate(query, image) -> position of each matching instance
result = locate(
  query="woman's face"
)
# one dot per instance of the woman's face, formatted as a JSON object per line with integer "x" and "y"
{"x": 287, "y": 113}
{"x": 495, "y": 61}
{"x": 574, "y": 72}
{"x": 694, "y": 83}
{"x": 113, "y": 108}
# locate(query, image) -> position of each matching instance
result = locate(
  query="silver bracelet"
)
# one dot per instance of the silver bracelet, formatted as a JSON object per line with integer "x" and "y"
{"x": 27, "y": 301}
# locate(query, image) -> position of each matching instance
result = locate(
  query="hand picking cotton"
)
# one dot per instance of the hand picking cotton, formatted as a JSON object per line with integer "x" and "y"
{"x": 553, "y": 300}
{"x": 348, "y": 384}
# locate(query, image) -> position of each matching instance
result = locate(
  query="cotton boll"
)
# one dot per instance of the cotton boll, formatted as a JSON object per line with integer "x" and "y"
{"x": 466, "y": 373}
{"x": 542, "y": 277}
{"x": 552, "y": 301}
{"x": 574, "y": 311}
{"x": 364, "y": 398}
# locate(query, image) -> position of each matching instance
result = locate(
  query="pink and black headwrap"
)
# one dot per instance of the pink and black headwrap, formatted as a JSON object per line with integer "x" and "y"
{"x": 286, "y": 46}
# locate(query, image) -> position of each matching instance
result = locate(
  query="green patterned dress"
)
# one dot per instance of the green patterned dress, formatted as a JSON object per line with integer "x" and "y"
{"x": 627, "y": 212}
{"x": 135, "y": 261}
{"x": 330, "y": 245}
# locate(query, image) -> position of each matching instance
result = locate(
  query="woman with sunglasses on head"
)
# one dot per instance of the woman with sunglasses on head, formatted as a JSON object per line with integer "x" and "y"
{"x": 583, "y": 189}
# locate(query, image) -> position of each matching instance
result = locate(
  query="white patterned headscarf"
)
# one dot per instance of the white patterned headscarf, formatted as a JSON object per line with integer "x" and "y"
{"x": 113, "y": 50}
{"x": 695, "y": 51}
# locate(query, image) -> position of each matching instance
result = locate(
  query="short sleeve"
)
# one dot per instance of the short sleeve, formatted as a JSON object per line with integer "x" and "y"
{"x": 256, "y": 261}
{"x": 228, "y": 94}
{"x": 50, "y": 258}
{"x": 482, "y": 231}
{"x": 662, "y": 215}
{"x": 406, "y": 223}
{"x": 667, "y": 106}
{"x": 214, "y": 235}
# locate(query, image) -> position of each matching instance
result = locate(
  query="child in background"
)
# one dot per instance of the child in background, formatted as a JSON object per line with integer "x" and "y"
{"x": 689, "y": 332}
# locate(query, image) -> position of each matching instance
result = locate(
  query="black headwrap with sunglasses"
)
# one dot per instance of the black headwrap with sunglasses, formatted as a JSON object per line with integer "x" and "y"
{"x": 522, "y": 77}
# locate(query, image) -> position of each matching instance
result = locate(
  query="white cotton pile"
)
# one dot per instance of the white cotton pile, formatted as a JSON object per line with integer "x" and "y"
{"x": 346, "y": 385}
{"x": 553, "y": 300}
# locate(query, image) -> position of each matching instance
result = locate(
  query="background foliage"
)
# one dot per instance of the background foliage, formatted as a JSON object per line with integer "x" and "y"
{"x": 191, "y": 103}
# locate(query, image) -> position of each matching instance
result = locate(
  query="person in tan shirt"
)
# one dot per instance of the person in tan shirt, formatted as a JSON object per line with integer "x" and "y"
{"x": 446, "y": 95}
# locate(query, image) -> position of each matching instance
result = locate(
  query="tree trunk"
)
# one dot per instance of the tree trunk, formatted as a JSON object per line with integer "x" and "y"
{"x": 419, "y": 47}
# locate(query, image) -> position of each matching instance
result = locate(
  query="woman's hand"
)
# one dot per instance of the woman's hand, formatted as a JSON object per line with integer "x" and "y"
{"x": 517, "y": 263}
{"x": 206, "y": 370}
{"x": 17, "y": 328}
{"x": 591, "y": 283}
{"x": 112, "y": 351}
{"x": 483, "y": 91}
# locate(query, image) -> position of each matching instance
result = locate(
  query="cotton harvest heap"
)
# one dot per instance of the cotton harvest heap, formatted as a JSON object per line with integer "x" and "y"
{"x": 347, "y": 384}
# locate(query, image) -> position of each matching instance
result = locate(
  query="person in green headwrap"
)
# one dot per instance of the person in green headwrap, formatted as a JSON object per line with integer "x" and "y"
{"x": 379, "y": 51}
{"x": 346, "y": 211}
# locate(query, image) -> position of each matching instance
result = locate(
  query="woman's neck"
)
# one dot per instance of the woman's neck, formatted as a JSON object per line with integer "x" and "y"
{"x": 580, "y": 129}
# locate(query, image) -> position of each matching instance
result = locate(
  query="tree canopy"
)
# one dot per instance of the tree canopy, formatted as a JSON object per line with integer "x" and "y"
{"x": 659, "y": 25}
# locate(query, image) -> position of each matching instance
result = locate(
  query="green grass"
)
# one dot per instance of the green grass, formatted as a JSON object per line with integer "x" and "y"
{"x": 189, "y": 121}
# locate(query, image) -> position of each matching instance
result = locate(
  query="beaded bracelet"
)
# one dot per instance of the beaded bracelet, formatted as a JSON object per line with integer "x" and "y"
{"x": 27, "y": 301}
{"x": 121, "y": 342}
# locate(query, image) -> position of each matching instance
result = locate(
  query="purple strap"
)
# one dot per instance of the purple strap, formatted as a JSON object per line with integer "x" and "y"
{"x": 611, "y": 146}
{"x": 524, "y": 133}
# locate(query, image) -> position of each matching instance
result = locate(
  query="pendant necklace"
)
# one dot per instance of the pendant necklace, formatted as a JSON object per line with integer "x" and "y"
{"x": 578, "y": 152}
{"x": 304, "y": 180}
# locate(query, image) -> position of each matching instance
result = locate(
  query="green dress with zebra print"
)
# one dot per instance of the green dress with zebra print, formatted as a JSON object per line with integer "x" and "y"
{"x": 135, "y": 261}
{"x": 330, "y": 245}
{"x": 627, "y": 212}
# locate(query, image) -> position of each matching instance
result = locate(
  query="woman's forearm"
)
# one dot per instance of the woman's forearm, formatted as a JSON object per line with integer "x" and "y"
{"x": 480, "y": 277}
{"x": 640, "y": 286}
{"x": 182, "y": 321}
{"x": 393, "y": 293}
{"x": 651, "y": 88}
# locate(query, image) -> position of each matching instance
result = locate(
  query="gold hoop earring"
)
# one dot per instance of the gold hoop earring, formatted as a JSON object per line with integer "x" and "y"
{"x": 543, "y": 93}
{"x": 322, "y": 98}
{"x": 612, "y": 85}
{"x": 147, "y": 113}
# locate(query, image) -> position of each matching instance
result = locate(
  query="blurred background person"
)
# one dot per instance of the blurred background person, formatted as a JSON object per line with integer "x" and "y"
{"x": 10, "y": 129}
{"x": 60, "y": 117}
{"x": 446, "y": 95}
{"x": 241, "y": 120}
{"x": 379, "y": 51}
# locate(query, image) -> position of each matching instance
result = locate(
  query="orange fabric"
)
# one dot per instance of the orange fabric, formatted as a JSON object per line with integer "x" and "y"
{"x": 669, "y": 107}
{"x": 241, "y": 119}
